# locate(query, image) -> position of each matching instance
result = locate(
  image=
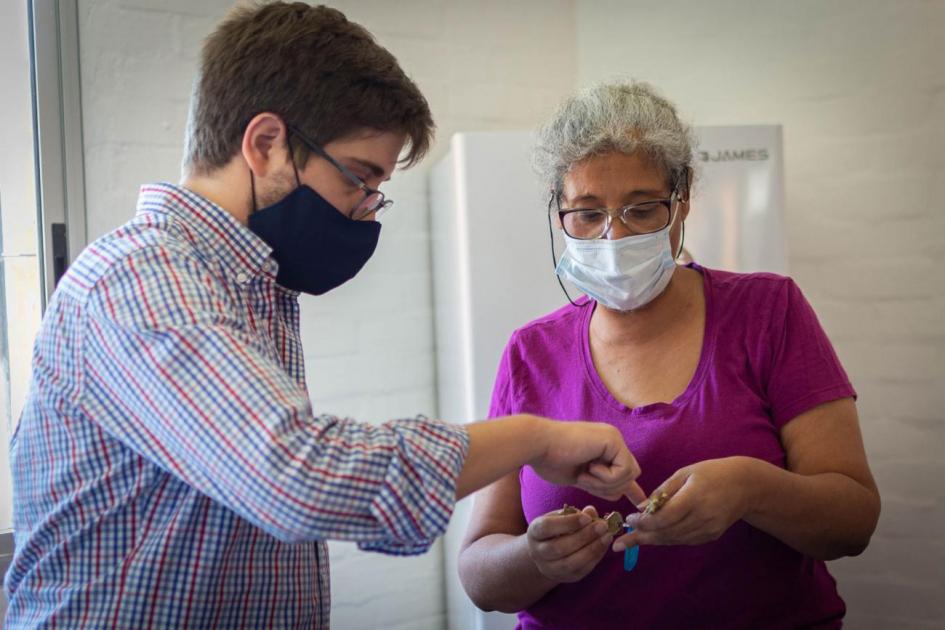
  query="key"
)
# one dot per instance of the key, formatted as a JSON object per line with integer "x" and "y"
{"x": 657, "y": 500}
{"x": 614, "y": 522}
{"x": 615, "y": 525}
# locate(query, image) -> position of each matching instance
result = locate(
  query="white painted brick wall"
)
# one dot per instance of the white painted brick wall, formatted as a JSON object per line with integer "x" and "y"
{"x": 860, "y": 89}
{"x": 369, "y": 344}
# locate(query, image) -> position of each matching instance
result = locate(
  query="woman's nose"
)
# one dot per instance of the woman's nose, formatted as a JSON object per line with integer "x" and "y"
{"x": 617, "y": 230}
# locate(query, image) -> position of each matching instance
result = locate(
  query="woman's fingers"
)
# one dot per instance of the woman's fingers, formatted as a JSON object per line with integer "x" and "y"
{"x": 626, "y": 541}
{"x": 565, "y": 546}
{"x": 678, "y": 522}
{"x": 692, "y": 530}
{"x": 668, "y": 516}
{"x": 552, "y": 525}
{"x": 673, "y": 509}
{"x": 578, "y": 564}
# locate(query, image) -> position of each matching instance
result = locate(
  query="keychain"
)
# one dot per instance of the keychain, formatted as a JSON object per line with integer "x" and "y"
{"x": 631, "y": 554}
{"x": 615, "y": 523}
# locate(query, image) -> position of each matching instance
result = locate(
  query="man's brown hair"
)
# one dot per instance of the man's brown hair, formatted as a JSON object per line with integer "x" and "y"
{"x": 311, "y": 66}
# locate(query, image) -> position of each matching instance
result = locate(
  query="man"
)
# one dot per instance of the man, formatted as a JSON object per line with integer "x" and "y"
{"x": 168, "y": 468}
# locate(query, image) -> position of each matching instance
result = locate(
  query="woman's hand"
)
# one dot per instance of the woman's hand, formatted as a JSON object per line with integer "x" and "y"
{"x": 705, "y": 499}
{"x": 566, "y": 547}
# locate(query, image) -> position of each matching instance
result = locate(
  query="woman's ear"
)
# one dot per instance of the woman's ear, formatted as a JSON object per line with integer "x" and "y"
{"x": 684, "y": 185}
{"x": 684, "y": 189}
{"x": 264, "y": 144}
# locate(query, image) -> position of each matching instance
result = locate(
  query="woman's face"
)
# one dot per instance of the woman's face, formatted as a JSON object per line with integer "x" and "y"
{"x": 614, "y": 180}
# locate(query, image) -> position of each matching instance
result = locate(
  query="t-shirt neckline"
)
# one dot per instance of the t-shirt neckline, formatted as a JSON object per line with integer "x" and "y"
{"x": 708, "y": 347}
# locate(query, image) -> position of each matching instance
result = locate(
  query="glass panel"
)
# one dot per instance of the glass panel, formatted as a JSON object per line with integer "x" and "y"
{"x": 20, "y": 279}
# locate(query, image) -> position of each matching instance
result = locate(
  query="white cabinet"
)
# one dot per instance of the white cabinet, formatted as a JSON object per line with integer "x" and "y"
{"x": 492, "y": 272}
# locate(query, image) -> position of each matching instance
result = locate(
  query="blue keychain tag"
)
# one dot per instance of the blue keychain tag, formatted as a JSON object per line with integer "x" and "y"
{"x": 630, "y": 555}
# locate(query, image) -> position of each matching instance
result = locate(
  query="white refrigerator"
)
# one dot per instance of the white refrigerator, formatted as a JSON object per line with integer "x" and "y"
{"x": 493, "y": 269}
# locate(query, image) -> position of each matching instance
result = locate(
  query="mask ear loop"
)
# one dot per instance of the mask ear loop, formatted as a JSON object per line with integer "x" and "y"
{"x": 554, "y": 257}
{"x": 295, "y": 169}
{"x": 252, "y": 188}
{"x": 683, "y": 178}
{"x": 682, "y": 226}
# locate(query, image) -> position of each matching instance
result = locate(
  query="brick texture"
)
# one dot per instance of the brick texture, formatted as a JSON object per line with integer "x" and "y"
{"x": 859, "y": 87}
{"x": 369, "y": 344}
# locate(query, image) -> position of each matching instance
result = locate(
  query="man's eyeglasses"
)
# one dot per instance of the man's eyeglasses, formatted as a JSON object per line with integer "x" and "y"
{"x": 373, "y": 201}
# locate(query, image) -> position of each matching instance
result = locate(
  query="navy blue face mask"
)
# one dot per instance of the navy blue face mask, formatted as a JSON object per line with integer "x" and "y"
{"x": 317, "y": 247}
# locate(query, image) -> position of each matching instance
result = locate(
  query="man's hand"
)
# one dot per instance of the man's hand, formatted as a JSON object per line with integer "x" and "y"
{"x": 591, "y": 456}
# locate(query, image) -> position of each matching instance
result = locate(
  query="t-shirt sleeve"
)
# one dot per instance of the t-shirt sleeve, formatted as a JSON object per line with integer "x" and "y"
{"x": 501, "y": 404}
{"x": 804, "y": 370}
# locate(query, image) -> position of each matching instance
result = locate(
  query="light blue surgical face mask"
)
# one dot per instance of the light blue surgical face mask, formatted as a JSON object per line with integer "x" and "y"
{"x": 623, "y": 274}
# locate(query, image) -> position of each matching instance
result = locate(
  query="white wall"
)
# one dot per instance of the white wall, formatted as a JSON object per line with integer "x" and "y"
{"x": 369, "y": 344}
{"x": 860, "y": 89}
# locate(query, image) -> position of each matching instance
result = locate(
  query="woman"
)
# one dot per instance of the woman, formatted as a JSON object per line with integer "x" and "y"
{"x": 724, "y": 386}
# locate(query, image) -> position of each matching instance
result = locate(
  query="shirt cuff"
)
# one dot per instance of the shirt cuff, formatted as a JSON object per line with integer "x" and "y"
{"x": 418, "y": 493}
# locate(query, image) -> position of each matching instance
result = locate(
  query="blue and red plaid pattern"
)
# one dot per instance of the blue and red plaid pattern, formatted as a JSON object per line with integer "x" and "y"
{"x": 168, "y": 469}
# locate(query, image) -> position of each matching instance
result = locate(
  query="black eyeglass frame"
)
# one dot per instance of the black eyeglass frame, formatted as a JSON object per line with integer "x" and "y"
{"x": 380, "y": 207}
{"x": 682, "y": 180}
{"x": 621, "y": 212}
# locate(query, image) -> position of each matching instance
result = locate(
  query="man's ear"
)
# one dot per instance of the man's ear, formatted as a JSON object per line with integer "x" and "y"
{"x": 264, "y": 143}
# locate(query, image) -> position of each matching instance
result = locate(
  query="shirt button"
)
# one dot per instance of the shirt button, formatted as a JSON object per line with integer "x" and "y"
{"x": 242, "y": 278}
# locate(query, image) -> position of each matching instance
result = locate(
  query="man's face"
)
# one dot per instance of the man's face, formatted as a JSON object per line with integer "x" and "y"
{"x": 371, "y": 156}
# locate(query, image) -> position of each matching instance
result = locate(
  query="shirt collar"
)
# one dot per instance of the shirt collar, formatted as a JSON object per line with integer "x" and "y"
{"x": 225, "y": 237}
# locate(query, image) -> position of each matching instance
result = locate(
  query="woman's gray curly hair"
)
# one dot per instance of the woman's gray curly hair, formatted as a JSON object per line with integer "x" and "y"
{"x": 625, "y": 117}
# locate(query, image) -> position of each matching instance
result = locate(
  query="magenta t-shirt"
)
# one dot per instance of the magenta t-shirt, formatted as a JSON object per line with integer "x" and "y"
{"x": 765, "y": 360}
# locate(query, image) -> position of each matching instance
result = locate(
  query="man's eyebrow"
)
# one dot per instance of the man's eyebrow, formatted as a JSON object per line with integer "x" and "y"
{"x": 375, "y": 170}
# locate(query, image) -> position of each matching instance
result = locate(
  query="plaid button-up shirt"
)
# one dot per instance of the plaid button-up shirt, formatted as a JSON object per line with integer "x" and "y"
{"x": 168, "y": 469}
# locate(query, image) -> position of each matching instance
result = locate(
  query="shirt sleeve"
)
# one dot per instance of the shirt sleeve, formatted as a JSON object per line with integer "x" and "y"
{"x": 501, "y": 404}
{"x": 804, "y": 370}
{"x": 192, "y": 388}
